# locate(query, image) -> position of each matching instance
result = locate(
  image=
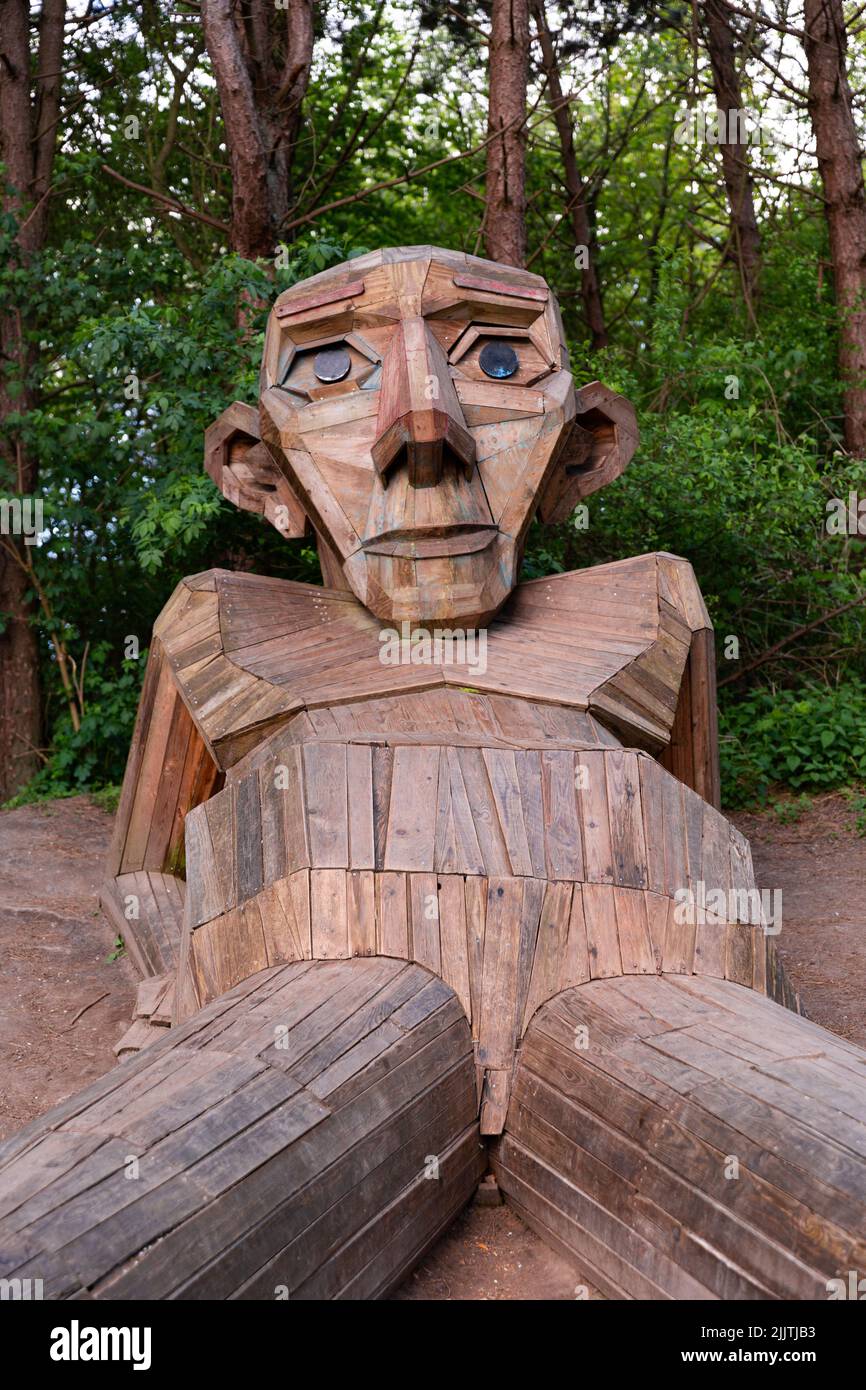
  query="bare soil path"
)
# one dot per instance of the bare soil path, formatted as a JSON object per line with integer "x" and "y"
{"x": 55, "y": 950}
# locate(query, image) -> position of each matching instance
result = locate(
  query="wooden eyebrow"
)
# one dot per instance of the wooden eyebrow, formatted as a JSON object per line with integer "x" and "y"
{"x": 478, "y": 282}
{"x": 303, "y": 303}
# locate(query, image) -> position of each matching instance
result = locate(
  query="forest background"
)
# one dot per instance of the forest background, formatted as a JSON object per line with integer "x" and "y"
{"x": 688, "y": 178}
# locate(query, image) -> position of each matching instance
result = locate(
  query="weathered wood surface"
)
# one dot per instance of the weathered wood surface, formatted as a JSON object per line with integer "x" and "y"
{"x": 169, "y": 769}
{"x": 305, "y": 1137}
{"x": 145, "y": 908}
{"x": 418, "y": 471}
{"x": 689, "y": 1139}
{"x": 511, "y": 873}
{"x": 320, "y": 817}
{"x": 249, "y": 653}
{"x": 517, "y": 826}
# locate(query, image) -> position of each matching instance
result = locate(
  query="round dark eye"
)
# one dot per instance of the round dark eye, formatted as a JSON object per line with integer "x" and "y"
{"x": 332, "y": 364}
{"x": 498, "y": 359}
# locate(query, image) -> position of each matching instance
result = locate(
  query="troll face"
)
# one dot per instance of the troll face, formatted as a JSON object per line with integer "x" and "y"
{"x": 416, "y": 410}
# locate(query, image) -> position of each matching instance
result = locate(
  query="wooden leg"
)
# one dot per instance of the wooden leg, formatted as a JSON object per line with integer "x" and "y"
{"x": 305, "y": 1136}
{"x": 686, "y": 1138}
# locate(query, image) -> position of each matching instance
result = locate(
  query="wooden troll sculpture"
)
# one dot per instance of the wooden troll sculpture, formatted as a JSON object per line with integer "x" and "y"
{"x": 411, "y": 920}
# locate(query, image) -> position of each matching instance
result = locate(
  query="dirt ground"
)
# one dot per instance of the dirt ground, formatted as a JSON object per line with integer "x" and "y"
{"x": 64, "y": 1002}
{"x": 54, "y": 949}
{"x": 819, "y": 865}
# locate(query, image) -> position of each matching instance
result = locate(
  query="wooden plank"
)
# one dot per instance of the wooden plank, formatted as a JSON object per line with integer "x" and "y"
{"x": 635, "y": 942}
{"x": 361, "y": 913}
{"x": 359, "y": 772}
{"x": 453, "y": 939}
{"x": 652, "y": 807}
{"x": 502, "y": 773}
{"x": 484, "y": 818}
{"x": 575, "y": 966}
{"x": 150, "y": 763}
{"x": 412, "y": 809}
{"x": 392, "y": 914}
{"x": 678, "y": 831}
{"x": 494, "y": 1100}
{"x": 328, "y": 913}
{"x": 274, "y": 857}
{"x": 152, "y": 682}
{"x": 465, "y": 854}
{"x": 383, "y": 762}
{"x": 562, "y": 829}
{"x": 548, "y": 964}
{"x": 532, "y": 804}
{"x": 248, "y": 830}
{"x": 710, "y": 945}
{"x": 513, "y": 910}
{"x": 680, "y": 935}
{"x": 601, "y": 930}
{"x": 327, "y": 804}
{"x": 293, "y": 894}
{"x": 424, "y": 916}
{"x": 220, "y": 812}
{"x": 204, "y": 890}
{"x": 657, "y": 923}
{"x": 739, "y": 964}
{"x": 716, "y": 852}
{"x": 595, "y": 826}
{"x": 626, "y": 821}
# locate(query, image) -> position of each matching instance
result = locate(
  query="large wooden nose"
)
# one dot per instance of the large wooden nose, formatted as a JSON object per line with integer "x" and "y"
{"x": 420, "y": 421}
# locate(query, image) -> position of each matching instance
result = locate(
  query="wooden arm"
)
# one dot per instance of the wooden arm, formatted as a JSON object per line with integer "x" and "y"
{"x": 693, "y": 752}
{"x": 168, "y": 772}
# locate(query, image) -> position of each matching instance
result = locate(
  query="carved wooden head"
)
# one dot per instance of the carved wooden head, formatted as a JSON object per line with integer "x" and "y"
{"x": 417, "y": 410}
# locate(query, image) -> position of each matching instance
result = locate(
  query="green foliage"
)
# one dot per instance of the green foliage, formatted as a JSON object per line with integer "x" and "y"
{"x": 131, "y": 314}
{"x": 857, "y": 802}
{"x": 107, "y": 798}
{"x": 118, "y": 950}
{"x": 812, "y": 738}
{"x": 788, "y": 810}
{"x": 89, "y": 757}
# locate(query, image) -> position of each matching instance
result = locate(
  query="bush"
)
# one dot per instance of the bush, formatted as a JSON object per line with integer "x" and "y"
{"x": 91, "y": 756}
{"x": 810, "y": 739}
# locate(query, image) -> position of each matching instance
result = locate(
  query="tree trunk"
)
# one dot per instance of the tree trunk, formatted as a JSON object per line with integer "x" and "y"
{"x": 745, "y": 237}
{"x": 261, "y": 58}
{"x": 505, "y": 215}
{"x": 590, "y": 292}
{"x": 29, "y": 110}
{"x": 839, "y": 163}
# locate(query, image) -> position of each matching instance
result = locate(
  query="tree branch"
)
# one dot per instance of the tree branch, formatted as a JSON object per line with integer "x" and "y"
{"x": 169, "y": 201}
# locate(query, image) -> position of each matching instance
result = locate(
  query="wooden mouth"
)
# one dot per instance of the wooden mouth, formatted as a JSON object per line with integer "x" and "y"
{"x": 422, "y": 545}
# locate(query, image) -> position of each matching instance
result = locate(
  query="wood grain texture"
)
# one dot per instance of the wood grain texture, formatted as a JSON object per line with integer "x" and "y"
{"x": 250, "y": 654}
{"x": 305, "y": 1137}
{"x": 593, "y": 863}
{"x": 379, "y": 830}
{"x": 686, "y": 1138}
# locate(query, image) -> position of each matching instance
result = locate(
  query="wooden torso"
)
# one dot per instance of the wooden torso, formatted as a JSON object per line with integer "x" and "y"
{"x": 491, "y": 825}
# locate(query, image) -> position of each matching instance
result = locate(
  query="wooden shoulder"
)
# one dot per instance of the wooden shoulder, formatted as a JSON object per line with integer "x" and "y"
{"x": 616, "y": 637}
{"x": 633, "y": 642}
{"x": 248, "y": 653}
{"x": 230, "y": 705}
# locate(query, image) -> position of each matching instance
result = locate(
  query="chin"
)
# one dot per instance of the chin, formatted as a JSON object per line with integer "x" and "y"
{"x": 464, "y": 591}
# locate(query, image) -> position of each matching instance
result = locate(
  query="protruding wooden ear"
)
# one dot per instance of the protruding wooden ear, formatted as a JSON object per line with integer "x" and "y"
{"x": 246, "y": 474}
{"x": 603, "y": 438}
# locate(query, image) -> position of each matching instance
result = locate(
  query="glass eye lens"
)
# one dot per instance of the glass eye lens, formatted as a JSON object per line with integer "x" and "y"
{"x": 332, "y": 364}
{"x": 498, "y": 360}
